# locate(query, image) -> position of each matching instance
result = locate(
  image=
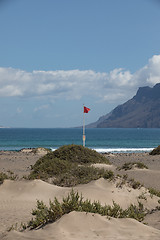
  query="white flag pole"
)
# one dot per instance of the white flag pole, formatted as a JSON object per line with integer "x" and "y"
{"x": 84, "y": 137}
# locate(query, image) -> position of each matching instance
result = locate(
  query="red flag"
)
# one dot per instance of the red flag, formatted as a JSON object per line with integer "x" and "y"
{"x": 86, "y": 110}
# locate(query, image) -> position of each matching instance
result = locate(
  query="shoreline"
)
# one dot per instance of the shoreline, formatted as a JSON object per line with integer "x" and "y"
{"x": 99, "y": 150}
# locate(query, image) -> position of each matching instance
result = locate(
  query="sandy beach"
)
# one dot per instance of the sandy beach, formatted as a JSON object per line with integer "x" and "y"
{"x": 18, "y": 198}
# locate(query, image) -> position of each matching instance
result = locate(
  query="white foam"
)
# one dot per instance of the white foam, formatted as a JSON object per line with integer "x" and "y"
{"x": 118, "y": 150}
{"x": 53, "y": 149}
{"x": 104, "y": 150}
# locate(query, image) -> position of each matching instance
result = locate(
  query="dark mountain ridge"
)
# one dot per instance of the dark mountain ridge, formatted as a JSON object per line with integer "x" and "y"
{"x": 142, "y": 111}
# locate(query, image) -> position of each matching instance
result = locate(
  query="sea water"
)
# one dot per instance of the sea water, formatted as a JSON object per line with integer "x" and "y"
{"x": 100, "y": 139}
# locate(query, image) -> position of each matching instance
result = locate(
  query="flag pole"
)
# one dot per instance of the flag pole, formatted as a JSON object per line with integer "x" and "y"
{"x": 84, "y": 137}
{"x": 85, "y": 110}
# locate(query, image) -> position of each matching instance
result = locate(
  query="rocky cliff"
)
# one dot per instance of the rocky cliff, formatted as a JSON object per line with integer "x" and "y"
{"x": 142, "y": 111}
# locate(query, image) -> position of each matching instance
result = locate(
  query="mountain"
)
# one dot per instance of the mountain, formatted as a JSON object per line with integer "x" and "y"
{"x": 142, "y": 111}
{"x": 100, "y": 120}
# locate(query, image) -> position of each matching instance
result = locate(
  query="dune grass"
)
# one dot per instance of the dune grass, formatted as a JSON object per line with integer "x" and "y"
{"x": 131, "y": 165}
{"x": 79, "y": 154}
{"x": 155, "y": 192}
{"x": 9, "y": 175}
{"x": 74, "y": 202}
{"x": 3, "y": 176}
{"x": 123, "y": 180}
{"x": 155, "y": 151}
{"x": 70, "y": 165}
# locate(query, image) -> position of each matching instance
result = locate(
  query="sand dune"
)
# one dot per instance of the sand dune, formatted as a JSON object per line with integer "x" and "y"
{"x": 30, "y": 190}
{"x": 18, "y": 198}
{"x": 82, "y": 226}
{"x": 149, "y": 177}
{"x": 107, "y": 192}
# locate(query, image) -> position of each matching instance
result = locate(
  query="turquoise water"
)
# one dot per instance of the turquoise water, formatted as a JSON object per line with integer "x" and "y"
{"x": 103, "y": 140}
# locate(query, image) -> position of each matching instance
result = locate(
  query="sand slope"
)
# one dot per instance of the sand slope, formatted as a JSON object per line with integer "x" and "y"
{"x": 18, "y": 198}
{"x": 149, "y": 177}
{"x": 81, "y": 226}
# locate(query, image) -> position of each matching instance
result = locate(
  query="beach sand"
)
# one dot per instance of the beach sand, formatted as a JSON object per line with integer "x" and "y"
{"x": 18, "y": 198}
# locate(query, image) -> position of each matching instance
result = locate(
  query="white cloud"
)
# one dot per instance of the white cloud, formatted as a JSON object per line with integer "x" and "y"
{"x": 119, "y": 77}
{"x": 149, "y": 74}
{"x": 75, "y": 84}
{"x": 10, "y": 91}
{"x": 112, "y": 97}
{"x": 42, "y": 107}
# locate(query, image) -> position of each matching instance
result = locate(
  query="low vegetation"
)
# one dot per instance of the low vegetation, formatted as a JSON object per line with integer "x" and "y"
{"x": 131, "y": 165}
{"x": 9, "y": 175}
{"x": 77, "y": 154}
{"x": 134, "y": 184}
{"x": 39, "y": 149}
{"x": 74, "y": 202}
{"x": 142, "y": 196}
{"x": 70, "y": 165}
{"x": 129, "y": 181}
{"x": 81, "y": 175}
{"x": 36, "y": 150}
{"x": 155, "y": 192}
{"x": 155, "y": 151}
{"x": 3, "y": 176}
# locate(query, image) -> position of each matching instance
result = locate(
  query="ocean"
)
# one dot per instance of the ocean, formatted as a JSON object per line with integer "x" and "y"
{"x": 100, "y": 139}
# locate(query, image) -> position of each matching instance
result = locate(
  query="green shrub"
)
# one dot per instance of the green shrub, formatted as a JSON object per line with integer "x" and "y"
{"x": 130, "y": 165}
{"x": 155, "y": 151}
{"x": 81, "y": 175}
{"x": 79, "y": 154}
{"x": 9, "y": 175}
{"x": 134, "y": 184}
{"x": 155, "y": 192}
{"x": 69, "y": 166}
{"x": 108, "y": 174}
{"x": 3, "y": 176}
{"x": 41, "y": 213}
{"x": 130, "y": 182}
{"x": 135, "y": 212}
{"x": 140, "y": 165}
{"x": 74, "y": 202}
{"x": 45, "y": 168}
{"x": 142, "y": 196}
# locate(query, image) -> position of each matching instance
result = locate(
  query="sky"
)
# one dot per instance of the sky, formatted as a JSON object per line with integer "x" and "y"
{"x": 56, "y": 55}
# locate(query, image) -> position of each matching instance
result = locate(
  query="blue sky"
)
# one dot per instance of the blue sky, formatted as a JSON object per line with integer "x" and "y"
{"x": 56, "y": 55}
